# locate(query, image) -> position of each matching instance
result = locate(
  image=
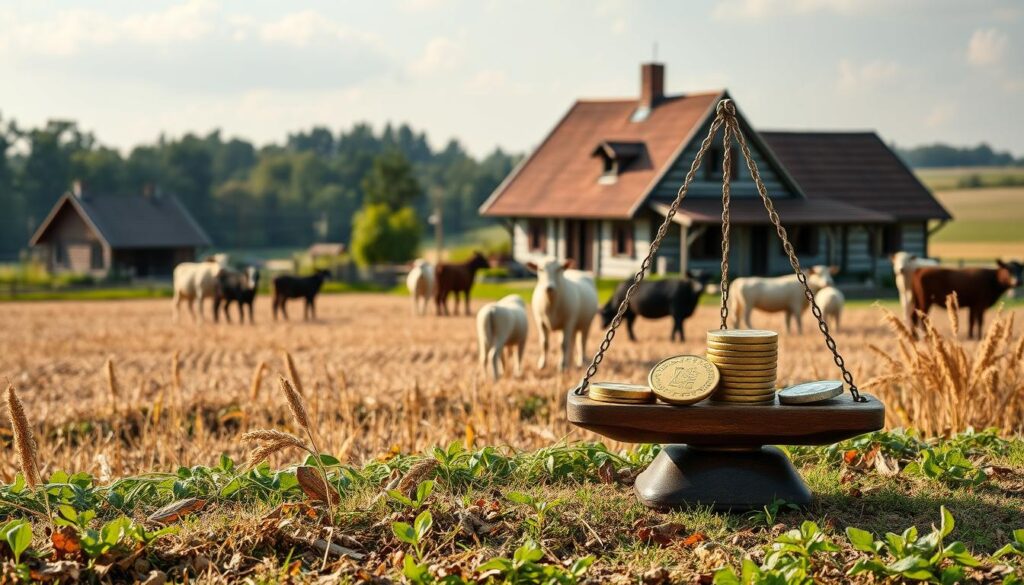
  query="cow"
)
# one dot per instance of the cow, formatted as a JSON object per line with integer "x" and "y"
{"x": 904, "y": 264}
{"x": 237, "y": 287}
{"x": 781, "y": 293}
{"x": 196, "y": 281}
{"x": 499, "y": 326}
{"x": 831, "y": 301}
{"x": 294, "y": 287}
{"x": 457, "y": 278}
{"x": 975, "y": 288}
{"x": 656, "y": 299}
{"x": 563, "y": 300}
{"x": 420, "y": 282}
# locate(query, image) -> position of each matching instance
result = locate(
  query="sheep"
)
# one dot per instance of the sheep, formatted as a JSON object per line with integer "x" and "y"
{"x": 420, "y": 282}
{"x": 499, "y": 326}
{"x": 196, "y": 281}
{"x": 904, "y": 265}
{"x": 781, "y": 293}
{"x": 830, "y": 300}
{"x": 564, "y": 300}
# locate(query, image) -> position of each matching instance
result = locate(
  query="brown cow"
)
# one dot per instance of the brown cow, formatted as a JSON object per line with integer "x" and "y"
{"x": 456, "y": 278}
{"x": 975, "y": 288}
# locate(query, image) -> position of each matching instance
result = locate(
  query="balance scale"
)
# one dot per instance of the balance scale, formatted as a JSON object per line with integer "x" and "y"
{"x": 719, "y": 454}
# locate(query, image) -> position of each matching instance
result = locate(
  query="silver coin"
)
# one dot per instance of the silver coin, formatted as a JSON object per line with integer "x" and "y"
{"x": 809, "y": 392}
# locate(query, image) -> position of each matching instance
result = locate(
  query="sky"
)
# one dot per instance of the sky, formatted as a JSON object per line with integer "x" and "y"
{"x": 501, "y": 73}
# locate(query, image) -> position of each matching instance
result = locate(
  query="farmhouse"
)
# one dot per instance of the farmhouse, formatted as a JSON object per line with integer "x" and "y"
{"x": 100, "y": 235}
{"x": 600, "y": 184}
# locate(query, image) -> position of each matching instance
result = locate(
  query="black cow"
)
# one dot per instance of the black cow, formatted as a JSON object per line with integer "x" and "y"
{"x": 655, "y": 299}
{"x": 294, "y": 287}
{"x": 238, "y": 287}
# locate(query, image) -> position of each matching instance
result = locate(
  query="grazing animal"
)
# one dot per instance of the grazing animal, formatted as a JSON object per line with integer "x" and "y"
{"x": 499, "y": 326}
{"x": 196, "y": 281}
{"x": 831, "y": 301}
{"x": 420, "y": 282}
{"x": 564, "y": 300}
{"x": 294, "y": 287}
{"x": 904, "y": 265}
{"x": 238, "y": 287}
{"x": 975, "y": 288}
{"x": 656, "y": 299}
{"x": 457, "y": 278}
{"x": 781, "y": 293}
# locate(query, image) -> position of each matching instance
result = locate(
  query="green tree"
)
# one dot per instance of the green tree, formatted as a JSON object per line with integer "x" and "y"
{"x": 391, "y": 181}
{"x": 380, "y": 235}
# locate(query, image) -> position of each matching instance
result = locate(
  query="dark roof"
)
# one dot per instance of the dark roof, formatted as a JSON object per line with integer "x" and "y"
{"x": 560, "y": 178}
{"x": 856, "y": 168}
{"x": 133, "y": 221}
{"x": 747, "y": 211}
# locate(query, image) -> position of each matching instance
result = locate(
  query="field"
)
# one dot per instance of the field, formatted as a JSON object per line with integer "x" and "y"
{"x": 383, "y": 389}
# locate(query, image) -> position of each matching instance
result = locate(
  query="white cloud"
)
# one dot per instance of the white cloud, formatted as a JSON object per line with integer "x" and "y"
{"x": 756, "y": 9}
{"x": 487, "y": 81}
{"x": 939, "y": 115}
{"x": 854, "y": 77}
{"x": 987, "y": 47}
{"x": 441, "y": 54}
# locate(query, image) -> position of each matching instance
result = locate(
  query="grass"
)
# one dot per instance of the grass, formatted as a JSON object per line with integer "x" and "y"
{"x": 947, "y": 179}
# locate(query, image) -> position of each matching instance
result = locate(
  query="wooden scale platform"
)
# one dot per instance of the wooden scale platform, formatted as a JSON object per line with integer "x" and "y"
{"x": 720, "y": 454}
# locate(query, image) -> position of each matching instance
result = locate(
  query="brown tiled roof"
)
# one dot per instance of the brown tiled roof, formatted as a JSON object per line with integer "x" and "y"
{"x": 793, "y": 211}
{"x": 560, "y": 178}
{"x": 856, "y": 168}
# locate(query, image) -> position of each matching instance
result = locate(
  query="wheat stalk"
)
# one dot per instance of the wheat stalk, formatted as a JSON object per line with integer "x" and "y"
{"x": 112, "y": 385}
{"x": 289, "y": 365}
{"x": 257, "y": 381}
{"x": 24, "y": 442}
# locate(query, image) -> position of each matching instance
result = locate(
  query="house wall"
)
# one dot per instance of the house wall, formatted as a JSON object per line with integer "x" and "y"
{"x": 69, "y": 244}
{"x": 612, "y": 266}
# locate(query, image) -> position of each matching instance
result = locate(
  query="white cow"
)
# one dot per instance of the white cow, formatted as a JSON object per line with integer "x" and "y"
{"x": 904, "y": 265}
{"x": 420, "y": 282}
{"x": 781, "y": 293}
{"x": 564, "y": 300}
{"x": 499, "y": 326}
{"x": 831, "y": 301}
{"x": 196, "y": 281}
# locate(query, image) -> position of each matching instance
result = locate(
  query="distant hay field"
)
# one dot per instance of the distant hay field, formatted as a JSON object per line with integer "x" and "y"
{"x": 374, "y": 378}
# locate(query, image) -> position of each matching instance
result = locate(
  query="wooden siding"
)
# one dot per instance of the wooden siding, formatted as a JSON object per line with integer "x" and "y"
{"x": 741, "y": 184}
{"x": 613, "y": 266}
{"x": 75, "y": 239}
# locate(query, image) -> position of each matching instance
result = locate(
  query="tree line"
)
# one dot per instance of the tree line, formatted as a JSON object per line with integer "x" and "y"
{"x": 944, "y": 155}
{"x": 304, "y": 190}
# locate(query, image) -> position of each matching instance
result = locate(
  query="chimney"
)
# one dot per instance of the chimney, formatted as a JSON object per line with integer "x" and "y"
{"x": 652, "y": 84}
{"x": 77, "y": 190}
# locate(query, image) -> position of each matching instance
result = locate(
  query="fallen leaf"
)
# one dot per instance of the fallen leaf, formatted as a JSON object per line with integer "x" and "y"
{"x": 885, "y": 467}
{"x": 65, "y": 571}
{"x": 65, "y": 542}
{"x": 176, "y": 510}
{"x": 997, "y": 471}
{"x": 662, "y": 534}
{"x": 694, "y": 539}
{"x": 313, "y": 485}
{"x": 607, "y": 472}
{"x": 850, "y": 456}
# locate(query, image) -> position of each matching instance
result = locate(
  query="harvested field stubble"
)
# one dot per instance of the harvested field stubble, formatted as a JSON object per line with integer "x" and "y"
{"x": 373, "y": 377}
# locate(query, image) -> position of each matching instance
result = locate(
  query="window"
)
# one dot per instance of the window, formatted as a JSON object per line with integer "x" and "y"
{"x": 537, "y": 235}
{"x": 60, "y": 254}
{"x": 714, "y": 161}
{"x": 622, "y": 238}
{"x": 708, "y": 245}
{"x": 805, "y": 240}
{"x": 892, "y": 240}
{"x": 96, "y": 256}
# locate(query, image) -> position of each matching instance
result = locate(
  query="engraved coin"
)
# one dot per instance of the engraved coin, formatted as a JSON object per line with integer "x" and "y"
{"x": 725, "y": 345}
{"x": 683, "y": 379}
{"x": 727, "y": 353}
{"x": 621, "y": 392}
{"x": 743, "y": 336}
{"x": 810, "y": 392}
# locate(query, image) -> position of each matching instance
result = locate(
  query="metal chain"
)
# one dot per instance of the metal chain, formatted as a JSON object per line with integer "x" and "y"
{"x": 723, "y": 311}
{"x": 731, "y": 122}
{"x": 646, "y": 264}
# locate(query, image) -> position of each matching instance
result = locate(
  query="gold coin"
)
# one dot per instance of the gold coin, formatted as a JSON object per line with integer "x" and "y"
{"x": 733, "y": 378}
{"x": 728, "y": 353}
{"x": 746, "y": 385}
{"x": 683, "y": 379}
{"x": 745, "y": 392}
{"x": 621, "y": 390}
{"x": 728, "y": 346}
{"x": 746, "y": 369}
{"x": 743, "y": 336}
{"x": 743, "y": 361}
{"x": 609, "y": 400}
{"x": 768, "y": 402}
{"x": 762, "y": 399}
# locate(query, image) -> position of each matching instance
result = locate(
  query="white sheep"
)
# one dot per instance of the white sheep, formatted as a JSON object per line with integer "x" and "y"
{"x": 772, "y": 295}
{"x": 563, "y": 300}
{"x": 420, "y": 282}
{"x": 196, "y": 281}
{"x": 499, "y": 326}
{"x": 831, "y": 301}
{"x": 904, "y": 265}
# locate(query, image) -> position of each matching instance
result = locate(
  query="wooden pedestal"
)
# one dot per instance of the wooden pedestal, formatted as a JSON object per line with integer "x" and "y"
{"x": 715, "y": 453}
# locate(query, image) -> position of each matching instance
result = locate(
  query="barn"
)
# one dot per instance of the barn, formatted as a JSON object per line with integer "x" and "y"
{"x": 601, "y": 182}
{"x": 141, "y": 236}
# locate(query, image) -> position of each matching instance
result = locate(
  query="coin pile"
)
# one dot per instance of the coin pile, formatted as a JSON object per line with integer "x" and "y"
{"x": 746, "y": 360}
{"x": 620, "y": 393}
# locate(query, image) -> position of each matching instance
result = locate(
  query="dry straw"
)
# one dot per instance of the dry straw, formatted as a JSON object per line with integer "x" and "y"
{"x": 257, "y": 381}
{"x": 289, "y": 365}
{"x": 24, "y": 442}
{"x": 112, "y": 385}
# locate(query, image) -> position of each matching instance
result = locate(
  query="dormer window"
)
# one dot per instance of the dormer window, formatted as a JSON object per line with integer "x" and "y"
{"x": 617, "y": 157}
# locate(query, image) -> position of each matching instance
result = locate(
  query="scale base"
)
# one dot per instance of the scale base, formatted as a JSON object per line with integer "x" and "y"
{"x": 737, "y": 480}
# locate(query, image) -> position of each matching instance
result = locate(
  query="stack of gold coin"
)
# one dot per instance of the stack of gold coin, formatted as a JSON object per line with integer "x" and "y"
{"x": 621, "y": 393}
{"x": 747, "y": 360}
